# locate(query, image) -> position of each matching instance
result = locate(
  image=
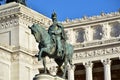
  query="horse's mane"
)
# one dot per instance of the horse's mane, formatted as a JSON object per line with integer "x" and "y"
{"x": 42, "y": 30}
{"x": 39, "y": 28}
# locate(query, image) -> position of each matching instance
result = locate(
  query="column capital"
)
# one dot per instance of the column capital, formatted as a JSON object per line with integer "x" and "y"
{"x": 119, "y": 57}
{"x": 88, "y": 64}
{"x": 106, "y": 62}
{"x": 107, "y": 68}
{"x": 71, "y": 67}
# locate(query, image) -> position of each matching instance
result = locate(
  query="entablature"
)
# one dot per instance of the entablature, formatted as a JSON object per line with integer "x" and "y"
{"x": 13, "y": 9}
{"x": 92, "y": 20}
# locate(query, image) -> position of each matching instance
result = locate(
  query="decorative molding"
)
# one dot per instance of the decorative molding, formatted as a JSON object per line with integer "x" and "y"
{"x": 106, "y": 62}
{"x": 8, "y": 23}
{"x": 97, "y": 53}
{"x": 6, "y": 47}
{"x": 85, "y": 19}
{"x": 71, "y": 67}
{"x": 15, "y": 10}
{"x": 88, "y": 64}
{"x": 97, "y": 43}
{"x": 22, "y": 57}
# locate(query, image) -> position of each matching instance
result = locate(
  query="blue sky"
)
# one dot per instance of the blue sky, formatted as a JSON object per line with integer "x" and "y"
{"x": 73, "y": 8}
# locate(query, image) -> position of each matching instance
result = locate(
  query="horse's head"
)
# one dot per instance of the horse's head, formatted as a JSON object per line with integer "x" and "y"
{"x": 36, "y": 32}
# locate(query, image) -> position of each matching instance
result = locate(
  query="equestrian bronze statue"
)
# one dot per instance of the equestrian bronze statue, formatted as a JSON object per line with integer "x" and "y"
{"x": 52, "y": 43}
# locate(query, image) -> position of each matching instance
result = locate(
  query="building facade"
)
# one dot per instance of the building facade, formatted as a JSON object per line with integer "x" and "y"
{"x": 96, "y": 42}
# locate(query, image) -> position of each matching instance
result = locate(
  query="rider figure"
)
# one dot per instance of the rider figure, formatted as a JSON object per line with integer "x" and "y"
{"x": 56, "y": 31}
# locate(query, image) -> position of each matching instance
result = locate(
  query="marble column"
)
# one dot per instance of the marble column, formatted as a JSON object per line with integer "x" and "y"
{"x": 88, "y": 67}
{"x": 107, "y": 69}
{"x": 71, "y": 70}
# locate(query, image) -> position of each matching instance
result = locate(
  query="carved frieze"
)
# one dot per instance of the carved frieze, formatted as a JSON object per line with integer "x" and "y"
{"x": 10, "y": 15}
{"x": 97, "y": 53}
{"x": 8, "y": 24}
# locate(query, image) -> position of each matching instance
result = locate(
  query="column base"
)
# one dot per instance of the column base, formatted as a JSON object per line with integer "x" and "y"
{"x": 46, "y": 77}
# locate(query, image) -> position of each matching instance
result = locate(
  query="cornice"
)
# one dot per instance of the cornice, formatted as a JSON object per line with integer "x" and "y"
{"x": 23, "y": 50}
{"x": 5, "y": 52}
{"x": 13, "y": 49}
{"x": 6, "y": 47}
{"x": 92, "y": 20}
{"x": 11, "y": 10}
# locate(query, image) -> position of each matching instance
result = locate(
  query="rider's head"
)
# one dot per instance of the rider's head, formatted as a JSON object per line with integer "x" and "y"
{"x": 54, "y": 17}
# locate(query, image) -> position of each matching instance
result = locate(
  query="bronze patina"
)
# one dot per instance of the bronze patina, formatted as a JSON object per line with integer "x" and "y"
{"x": 52, "y": 43}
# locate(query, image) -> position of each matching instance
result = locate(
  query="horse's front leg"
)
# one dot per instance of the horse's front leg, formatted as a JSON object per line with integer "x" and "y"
{"x": 65, "y": 68}
{"x": 44, "y": 64}
{"x": 40, "y": 54}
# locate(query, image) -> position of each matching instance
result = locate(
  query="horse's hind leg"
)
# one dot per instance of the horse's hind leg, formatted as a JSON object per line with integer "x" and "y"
{"x": 65, "y": 69}
{"x": 44, "y": 64}
{"x": 39, "y": 55}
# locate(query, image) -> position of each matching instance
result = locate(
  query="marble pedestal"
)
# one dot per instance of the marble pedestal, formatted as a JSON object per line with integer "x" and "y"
{"x": 47, "y": 77}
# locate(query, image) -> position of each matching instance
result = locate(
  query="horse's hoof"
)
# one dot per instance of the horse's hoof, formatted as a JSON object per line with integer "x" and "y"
{"x": 39, "y": 59}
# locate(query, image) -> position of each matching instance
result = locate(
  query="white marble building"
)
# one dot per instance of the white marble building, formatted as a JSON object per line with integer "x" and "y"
{"x": 96, "y": 43}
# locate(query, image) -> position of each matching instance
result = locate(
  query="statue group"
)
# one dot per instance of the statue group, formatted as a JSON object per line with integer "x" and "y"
{"x": 17, "y": 1}
{"x": 52, "y": 43}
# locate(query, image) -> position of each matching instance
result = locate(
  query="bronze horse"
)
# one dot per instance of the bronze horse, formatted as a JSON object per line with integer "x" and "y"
{"x": 48, "y": 48}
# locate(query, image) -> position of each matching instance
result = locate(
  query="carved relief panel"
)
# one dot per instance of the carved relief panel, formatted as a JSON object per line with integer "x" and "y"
{"x": 80, "y": 35}
{"x": 97, "y": 32}
{"x": 115, "y": 29}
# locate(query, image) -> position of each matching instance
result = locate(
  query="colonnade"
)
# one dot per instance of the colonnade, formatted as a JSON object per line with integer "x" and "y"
{"x": 89, "y": 70}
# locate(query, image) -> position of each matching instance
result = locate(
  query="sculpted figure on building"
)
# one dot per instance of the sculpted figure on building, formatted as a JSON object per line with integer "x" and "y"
{"x": 18, "y": 1}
